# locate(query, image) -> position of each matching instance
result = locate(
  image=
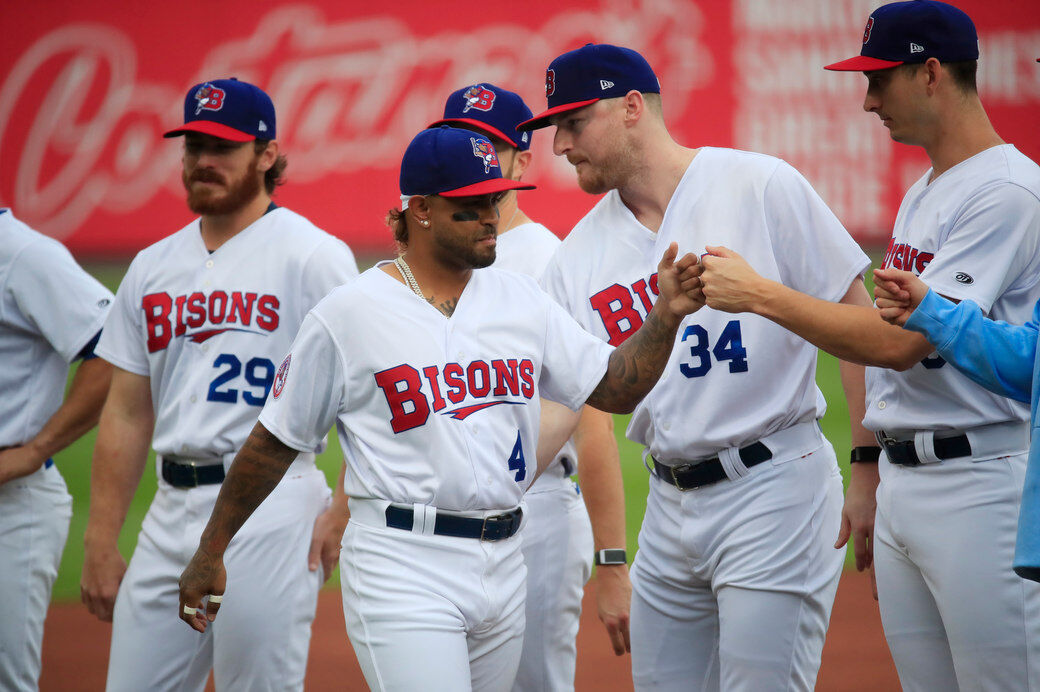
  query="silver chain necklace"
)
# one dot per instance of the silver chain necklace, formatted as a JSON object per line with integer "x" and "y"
{"x": 409, "y": 278}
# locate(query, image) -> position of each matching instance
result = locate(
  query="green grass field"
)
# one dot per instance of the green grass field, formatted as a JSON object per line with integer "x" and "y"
{"x": 74, "y": 464}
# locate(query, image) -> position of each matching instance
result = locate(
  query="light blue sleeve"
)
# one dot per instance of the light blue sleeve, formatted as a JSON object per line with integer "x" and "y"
{"x": 997, "y": 355}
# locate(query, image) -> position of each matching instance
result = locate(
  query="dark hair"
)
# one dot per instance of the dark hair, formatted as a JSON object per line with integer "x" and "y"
{"x": 963, "y": 73}
{"x": 396, "y": 221}
{"x": 275, "y": 175}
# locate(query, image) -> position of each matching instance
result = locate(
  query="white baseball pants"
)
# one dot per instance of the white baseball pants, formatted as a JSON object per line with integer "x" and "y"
{"x": 955, "y": 615}
{"x": 557, "y": 549}
{"x": 260, "y": 638}
{"x": 734, "y": 582}
{"x": 34, "y": 523}
{"x": 427, "y": 612}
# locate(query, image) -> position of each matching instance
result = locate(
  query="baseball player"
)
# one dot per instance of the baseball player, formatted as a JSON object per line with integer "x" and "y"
{"x": 198, "y": 326}
{"x": 558, "y": 536}
{"x": 948, "y": 489}
{"x": 736, "y": 574}
{"x": 437, "y": 406}
{"x": 999, "y": 356}
{"x": 51, "y": 312}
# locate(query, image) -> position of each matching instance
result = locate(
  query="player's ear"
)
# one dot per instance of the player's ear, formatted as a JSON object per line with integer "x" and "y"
{"x": 419, "y": 207}
{"x": 267, "y": 156}
{"x": 520, "y": 163}
{"x": 634, "y": 106}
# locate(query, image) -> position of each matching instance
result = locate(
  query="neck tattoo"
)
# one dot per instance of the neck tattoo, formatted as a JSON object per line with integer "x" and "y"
{"x": 409, "y": 278}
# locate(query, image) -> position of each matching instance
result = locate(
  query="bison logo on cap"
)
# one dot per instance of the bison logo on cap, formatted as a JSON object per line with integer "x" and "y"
{"x": 483, "y": 150}
{"x": 478, "y": 97}
{"x": 209, "y": 97}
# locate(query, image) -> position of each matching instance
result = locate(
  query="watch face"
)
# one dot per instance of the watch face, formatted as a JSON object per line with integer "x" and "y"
{"x": 614, "y": 556}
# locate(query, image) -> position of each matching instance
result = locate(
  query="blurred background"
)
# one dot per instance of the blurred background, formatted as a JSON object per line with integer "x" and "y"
{"x": 88, "y": 87}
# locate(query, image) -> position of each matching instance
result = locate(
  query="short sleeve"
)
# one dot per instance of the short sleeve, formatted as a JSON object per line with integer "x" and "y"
{"x": 122, "y": 340}
{"x": 817, "y": 256}
{"x": 308, "y": 389}
{"x": 66, "y": 304}
{"x": 574, "y": 361}
{"x": 993, "y": 240}
{"x": 331, "y": 265}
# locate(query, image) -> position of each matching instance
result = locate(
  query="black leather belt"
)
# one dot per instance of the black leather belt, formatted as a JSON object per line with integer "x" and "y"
{"x": 904, "y": 454}
{"x": 185, "y": 474}
{"x": 708, "y": 471}
{"x": 494, "y": 528}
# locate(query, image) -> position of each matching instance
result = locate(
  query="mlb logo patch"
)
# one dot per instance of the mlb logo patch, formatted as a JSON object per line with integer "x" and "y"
{"x": 866, "y": 31}
{"x": 479, "y": 98}
{"x": 484, "y": 151}
{"x": 210, "y": 98}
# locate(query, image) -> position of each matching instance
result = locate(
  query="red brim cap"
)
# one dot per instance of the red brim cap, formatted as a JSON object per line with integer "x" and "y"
{"x": 486, "y": 187}
{"x": 208, "y": 127}
{"x": 482, "y": 126}
{"x": 542, "y": 119}
{"x": 862, "y": 63}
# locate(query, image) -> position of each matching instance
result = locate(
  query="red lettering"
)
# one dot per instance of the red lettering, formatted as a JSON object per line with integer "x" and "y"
{"x": 242, "y": 308}
{"x": 505, "y": 378}
{"x": 196, "y": 310}
{"x": 653, "y": 284}
{"x": 217, "y": 299}
{"x": 268, "y": 309}
{"x": 616, "y": 310}
{"x": 885, "y": 263}
{"x": 481, "y": 368}
{"x": 431, "y": 373}
{"x": 923, "y": 258}
{"x": 453, "y": 378}
{"x": 400, "y": 399}
{"x": 179, "y": 329}
{"x": 157, "y": 308}
{"x": 527, "y": 378}
{"x": 640, "y": 288}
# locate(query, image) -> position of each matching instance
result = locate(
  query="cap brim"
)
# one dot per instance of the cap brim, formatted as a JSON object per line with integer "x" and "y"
{"x": 480, "y": 125}
{"x": 542, "y": 119}
{"x": 208, "y": 127}
{"x": 862, "y": 63}
{"x": 487, "y": 187}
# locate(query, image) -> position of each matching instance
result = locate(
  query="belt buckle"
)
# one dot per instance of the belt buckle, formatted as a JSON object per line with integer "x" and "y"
{"x": 194, "y": 474}
{"x": 675, "y": 479}
{"x": 885, "y": 441}
{"x": 484, "y": 526}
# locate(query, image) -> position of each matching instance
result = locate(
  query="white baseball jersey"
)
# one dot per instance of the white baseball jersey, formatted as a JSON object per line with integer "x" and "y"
{"x": 209, "y": 329}
{"x": 972, "y": 234}
{"x": 763, "y": 375}
{"x": 527, "y": 249}
{"x": 433, "y": 410}
{"x": 49, "y": 310}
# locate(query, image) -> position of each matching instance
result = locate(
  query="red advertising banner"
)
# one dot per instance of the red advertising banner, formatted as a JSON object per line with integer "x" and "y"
{"x": 88, "y": 88}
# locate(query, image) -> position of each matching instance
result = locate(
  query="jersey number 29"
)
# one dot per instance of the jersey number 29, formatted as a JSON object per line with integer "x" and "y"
{"x": 259, "y": 375}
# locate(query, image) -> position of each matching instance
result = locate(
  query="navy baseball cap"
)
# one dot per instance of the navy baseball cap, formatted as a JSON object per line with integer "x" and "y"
{"x": 229, "y": 109}
{"x": 912, "y": 32}
{"x": 491, "y": 109}
{"x": 590, "y": 73}
{"x": 451, "y": 162}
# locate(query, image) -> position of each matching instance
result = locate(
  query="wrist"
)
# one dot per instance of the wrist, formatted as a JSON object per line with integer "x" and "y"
{"x": 610, "y": 557}
{"x": 865, "y": 454}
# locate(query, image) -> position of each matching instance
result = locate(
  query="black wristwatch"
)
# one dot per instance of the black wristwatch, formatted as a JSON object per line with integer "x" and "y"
{"x": 611, "y": 556}
{"x": 865, "y": 455}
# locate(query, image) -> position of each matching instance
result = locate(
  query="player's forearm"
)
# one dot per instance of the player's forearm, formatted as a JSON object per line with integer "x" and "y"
{"x": 852, "y": 332}
{"x": 635, "y": 366}
{"x": 120, "y": 453}
{"x": 854, "y": 384}
{"x": 256, "y": 470}
{"x": 599, "y": 468}
{"x": 555, "y": 426}
{"x": 79, "y": 412}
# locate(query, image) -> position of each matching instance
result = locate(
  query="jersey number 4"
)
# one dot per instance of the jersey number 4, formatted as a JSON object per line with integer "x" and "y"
{"x": 259, "y": 375}
{"x": 729, "y": 347}
{"x": 516, "y": 460}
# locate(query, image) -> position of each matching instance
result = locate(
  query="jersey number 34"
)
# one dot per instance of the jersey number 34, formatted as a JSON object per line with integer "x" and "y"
{"x": 728, "y": 347}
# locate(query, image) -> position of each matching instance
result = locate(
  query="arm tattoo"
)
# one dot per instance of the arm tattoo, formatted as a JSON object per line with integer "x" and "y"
{"x": 257, "y": 469}
{"x": 634, "y": 367}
